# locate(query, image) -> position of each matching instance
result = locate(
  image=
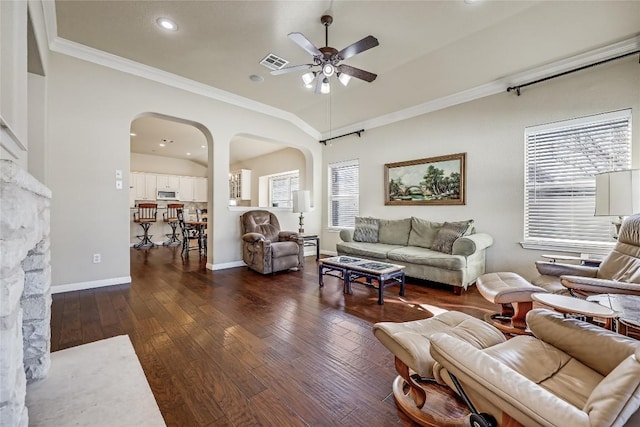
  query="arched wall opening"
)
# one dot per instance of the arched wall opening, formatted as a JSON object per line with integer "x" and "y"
{"x": 169, "y": 155}
{"x": 264, "y": 161}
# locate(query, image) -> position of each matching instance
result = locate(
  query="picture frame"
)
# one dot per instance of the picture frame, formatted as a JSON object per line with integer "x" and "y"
{"x": 437, "y": 180}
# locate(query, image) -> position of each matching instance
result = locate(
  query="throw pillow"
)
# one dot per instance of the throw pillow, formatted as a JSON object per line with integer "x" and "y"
{"x": 366, "y": 230}
{"x": 423, "y": 232}
{"x": 394, "y": 231}
{"x": 448, "y": 234}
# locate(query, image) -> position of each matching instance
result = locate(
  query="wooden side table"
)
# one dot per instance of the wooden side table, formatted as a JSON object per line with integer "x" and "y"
{"x": 627, "y": 308}
{"x": 589, "y": 261}
{"x": 571, "y": 305}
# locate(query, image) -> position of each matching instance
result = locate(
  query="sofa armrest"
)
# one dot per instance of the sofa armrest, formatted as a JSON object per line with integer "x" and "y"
{"x": 469, "y": 245}
{"x": 346, "y": 234}
{"x": 599, "y": 286}
{"x": 503, "y": 386}
{"x": 560, "y": 269}
{"x": 252, "y": 237}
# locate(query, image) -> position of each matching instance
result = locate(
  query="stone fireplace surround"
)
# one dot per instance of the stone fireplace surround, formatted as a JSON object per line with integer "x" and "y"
{"x": 25, "y": 294}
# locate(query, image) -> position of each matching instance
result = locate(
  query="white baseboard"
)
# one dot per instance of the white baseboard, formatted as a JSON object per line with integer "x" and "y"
{"x": 225, "y": 265}
{"x": 325, "y": 252}
{"x": 57, "y": 289}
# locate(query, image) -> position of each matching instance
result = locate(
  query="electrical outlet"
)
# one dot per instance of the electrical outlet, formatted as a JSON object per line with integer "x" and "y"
{"x": 118, "y": 184}
{"x": 97, "y": 258}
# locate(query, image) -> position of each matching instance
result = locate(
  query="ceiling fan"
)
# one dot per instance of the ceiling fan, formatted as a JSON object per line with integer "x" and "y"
{"x": 328, "y": 60}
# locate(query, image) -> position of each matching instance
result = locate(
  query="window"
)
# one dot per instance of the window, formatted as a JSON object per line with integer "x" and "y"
{"x": 343, "y": 193}
{"x": 281, "y": 187}
{"x": 561, "y": 161}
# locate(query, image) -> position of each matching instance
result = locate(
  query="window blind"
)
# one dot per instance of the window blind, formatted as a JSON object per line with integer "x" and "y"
{"x": 344, "y": 187}
{"x": 281, "y": 188}
{"x": 562, "y": 160}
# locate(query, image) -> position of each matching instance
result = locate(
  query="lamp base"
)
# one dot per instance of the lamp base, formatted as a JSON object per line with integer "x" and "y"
{"x": 617, "y": 224}
{"x": 301, "y": 223}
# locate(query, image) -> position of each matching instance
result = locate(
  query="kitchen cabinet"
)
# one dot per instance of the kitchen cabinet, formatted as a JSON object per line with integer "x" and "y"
{"x": 240, "y": 184}
{"x": 193, "y": 189}
{"x": 143, "y": 185}
{"x": 186, "y": 188}
{"x": 167, "y": 182}
{"x": 200, "y": 189}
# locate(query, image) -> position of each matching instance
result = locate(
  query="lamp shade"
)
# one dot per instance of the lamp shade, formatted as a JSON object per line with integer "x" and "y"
{"x": 618, "y": 193}
{"x": 301, "y": 201}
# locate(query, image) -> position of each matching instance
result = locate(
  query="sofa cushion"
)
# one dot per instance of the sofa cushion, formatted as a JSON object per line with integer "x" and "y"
{"x": 424, "y": 256}
{"x": 448, "y": 234}
{"x": 423, "y": 232}
{"x": 365, "y": 250}
{"x": 366, "y": 230}
{"x": 394, "y": 231}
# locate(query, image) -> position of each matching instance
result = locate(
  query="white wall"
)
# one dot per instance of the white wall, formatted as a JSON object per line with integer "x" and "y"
{"x": 90, "y": 112}
{"x": 280, "y": 161}
{"x": 491, "y": 132}
{"x": 166, "y": 165}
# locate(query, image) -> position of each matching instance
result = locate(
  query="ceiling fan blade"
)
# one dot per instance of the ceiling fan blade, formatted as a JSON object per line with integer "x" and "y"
{"x": 291, "y": 69}
{"x": 357, "y": 47}
{"x": 357, "y": 73}
{"x": 304, "y": 43}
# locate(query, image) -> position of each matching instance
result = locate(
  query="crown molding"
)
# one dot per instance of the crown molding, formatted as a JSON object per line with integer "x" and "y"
{"x": 63, "y": 46}
{"x": 99, "y": 57}
{"x": 495, "y": 87}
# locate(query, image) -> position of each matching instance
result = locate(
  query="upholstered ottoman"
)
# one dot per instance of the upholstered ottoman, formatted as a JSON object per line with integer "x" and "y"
{"x": 409, "y": 343}
{"x": 513, "y": 293}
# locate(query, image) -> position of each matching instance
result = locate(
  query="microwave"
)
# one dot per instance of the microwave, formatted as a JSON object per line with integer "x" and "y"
{"x": 167, "y": 195}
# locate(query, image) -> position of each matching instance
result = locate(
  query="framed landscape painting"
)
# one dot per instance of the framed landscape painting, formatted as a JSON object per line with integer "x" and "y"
{"x": 432, "y": 181}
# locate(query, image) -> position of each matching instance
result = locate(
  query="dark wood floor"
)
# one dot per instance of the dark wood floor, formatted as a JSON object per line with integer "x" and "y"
{"x": 234, "y": 347}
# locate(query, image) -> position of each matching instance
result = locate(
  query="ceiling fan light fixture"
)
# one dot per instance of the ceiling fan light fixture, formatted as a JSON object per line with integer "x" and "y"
{"x": 344, "y": 78}
{"x": 325, "y": 87}
{"x": 328, "y": 70}
{"x": 307, "y": 78}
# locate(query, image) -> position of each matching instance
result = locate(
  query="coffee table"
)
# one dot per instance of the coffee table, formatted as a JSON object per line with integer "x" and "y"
{"x": 571, "y": 305}
{"x": 350, "y": 268}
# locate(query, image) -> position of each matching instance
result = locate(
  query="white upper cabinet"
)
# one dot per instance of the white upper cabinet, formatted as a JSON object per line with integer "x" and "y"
{"x": 200, "y": 189}
{"x": 186, "y": 188}
{"x": 168, "y": 182}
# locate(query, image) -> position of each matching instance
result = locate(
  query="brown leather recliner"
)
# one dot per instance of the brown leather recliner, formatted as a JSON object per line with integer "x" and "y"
{"x": 265, "y": 248}
{"x": 619, "y": 272}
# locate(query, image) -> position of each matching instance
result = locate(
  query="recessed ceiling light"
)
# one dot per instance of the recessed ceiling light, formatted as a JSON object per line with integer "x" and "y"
{"x": 203, "y": 146}
{"x": 167, "y": 24}
{"x": 188, "y": 154}
{"x": 256, "y": 78}
{"x": 132, "y": 134}
{"x": 162, "y": 144}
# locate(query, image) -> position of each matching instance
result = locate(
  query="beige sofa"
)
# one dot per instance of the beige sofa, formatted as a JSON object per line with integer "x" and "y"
{"x": 450, "y": 253}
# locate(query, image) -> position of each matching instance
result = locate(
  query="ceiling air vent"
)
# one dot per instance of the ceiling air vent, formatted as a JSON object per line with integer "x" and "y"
{"x": 273, "y": 62}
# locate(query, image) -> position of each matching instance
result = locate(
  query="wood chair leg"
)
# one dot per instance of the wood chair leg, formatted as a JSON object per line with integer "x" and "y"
{"x": 417, "y": 393}
{"x": 520, "y": 310}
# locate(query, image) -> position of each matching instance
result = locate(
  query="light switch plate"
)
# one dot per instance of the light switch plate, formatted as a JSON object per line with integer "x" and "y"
{"x": 118, "y": 173}
{"x": 118, "y": 184}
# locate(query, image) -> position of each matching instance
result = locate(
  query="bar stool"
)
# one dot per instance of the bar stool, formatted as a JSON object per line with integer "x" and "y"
{"x": 171, "y": 217}
{"x": 145, "y": 216}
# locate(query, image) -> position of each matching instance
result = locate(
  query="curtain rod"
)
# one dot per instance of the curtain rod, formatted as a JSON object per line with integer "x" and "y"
{"x": 518, "y": 87}
{"x": 324, "y": 141}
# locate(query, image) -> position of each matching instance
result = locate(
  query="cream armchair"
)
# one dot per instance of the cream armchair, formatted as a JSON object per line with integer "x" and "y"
{"x": 265, "y": 248}
{"x": 570, "y": 373}
{"x": 619, "y": 272}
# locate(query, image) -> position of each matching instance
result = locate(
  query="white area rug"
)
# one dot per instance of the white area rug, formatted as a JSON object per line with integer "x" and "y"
{"x": 96, "y": 384}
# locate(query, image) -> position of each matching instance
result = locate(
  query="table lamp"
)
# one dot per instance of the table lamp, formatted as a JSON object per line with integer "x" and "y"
{"x": 618, "y": 194}
{"x": 301, "y": 204}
